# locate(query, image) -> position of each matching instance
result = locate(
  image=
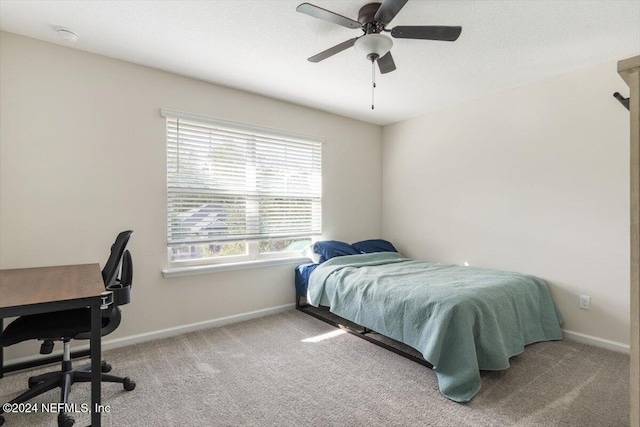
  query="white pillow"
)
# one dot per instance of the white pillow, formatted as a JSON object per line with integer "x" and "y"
{"x": 309, "y": 253}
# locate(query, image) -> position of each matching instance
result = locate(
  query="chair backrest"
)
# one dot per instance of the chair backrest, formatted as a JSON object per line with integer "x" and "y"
{"x": 121, "y": 287}
{"x": 111, "y": 268}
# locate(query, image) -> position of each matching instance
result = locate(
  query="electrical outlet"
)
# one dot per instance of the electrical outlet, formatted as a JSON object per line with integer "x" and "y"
{"x": 585, "y": 302}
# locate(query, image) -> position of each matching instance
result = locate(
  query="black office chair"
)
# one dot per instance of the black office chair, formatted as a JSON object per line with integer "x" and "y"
{"x": 75, "y": 324}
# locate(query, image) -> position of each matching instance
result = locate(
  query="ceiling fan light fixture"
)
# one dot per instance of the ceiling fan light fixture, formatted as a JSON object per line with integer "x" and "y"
{"x": 371, "y": 45}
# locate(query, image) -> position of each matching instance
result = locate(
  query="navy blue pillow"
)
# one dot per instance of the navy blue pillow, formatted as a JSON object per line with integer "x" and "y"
{"x": 332, "y": 248}
{"x": 373, "y": 245}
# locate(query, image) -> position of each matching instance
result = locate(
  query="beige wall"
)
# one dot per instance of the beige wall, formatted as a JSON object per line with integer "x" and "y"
{"x": 82, "y": 156}
{"x": 534, "y": 180}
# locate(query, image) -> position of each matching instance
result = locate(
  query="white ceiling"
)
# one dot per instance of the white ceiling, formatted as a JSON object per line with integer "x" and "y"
{"x": 262, "y": 46}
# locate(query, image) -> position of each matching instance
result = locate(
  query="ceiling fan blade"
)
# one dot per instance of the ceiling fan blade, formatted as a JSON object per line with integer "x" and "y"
{"x": 432, "y": 32}
{"x": 333, "y": 50}
{"x": 388, "y": 10}
{"x": 386, "y": 63}
{"x": 327, "y": 15}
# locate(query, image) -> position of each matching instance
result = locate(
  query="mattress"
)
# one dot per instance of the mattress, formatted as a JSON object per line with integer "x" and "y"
{"x": 461, "y": 319}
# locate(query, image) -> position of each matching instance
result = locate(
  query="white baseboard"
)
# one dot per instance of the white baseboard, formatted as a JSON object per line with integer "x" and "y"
{"x": 597, "y": 342}
{"x": 169, "y": 332}
{"x": 183, "y": 329}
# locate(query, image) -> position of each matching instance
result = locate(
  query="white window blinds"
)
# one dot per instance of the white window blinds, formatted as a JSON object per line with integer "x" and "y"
{"x": 229, "y": 182}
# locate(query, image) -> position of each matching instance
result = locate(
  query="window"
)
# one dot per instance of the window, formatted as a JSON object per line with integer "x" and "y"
{"x": 237, "y": 192}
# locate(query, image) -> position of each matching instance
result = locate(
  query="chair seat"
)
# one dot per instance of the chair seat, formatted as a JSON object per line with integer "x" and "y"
{"x": 48, "y": 326}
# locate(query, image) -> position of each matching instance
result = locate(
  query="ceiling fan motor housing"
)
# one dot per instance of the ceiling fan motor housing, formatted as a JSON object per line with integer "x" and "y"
{"x": 366, "y": 15}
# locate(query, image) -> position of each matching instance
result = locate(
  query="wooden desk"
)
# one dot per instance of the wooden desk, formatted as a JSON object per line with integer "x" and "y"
{"x": 45, "y": 289}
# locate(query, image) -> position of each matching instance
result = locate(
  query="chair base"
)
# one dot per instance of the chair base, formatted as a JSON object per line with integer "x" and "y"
{"x": 40, "y": 384}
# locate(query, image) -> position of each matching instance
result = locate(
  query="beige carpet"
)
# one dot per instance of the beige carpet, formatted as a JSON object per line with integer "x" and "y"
{"x": 262, "y": 373}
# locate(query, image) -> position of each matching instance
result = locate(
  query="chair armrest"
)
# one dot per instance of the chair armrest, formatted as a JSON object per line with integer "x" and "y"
{"x": 121, "y": 294}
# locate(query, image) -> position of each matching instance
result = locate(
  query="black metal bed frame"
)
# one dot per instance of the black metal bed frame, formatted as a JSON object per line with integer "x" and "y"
{"x": 322, "y": 313}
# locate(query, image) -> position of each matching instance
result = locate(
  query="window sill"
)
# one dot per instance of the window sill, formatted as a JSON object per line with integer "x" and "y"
{"x": 216, "y": 268}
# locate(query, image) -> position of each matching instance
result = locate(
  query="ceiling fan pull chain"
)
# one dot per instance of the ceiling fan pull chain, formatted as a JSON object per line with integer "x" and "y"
{"x": 373, "y": 83}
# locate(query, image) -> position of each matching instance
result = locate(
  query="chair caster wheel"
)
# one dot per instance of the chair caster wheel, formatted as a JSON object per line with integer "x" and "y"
{"x": 128, "y": 384}
{"x": 1, "y": 420}
{"x": 65, "y": 420}
{"x": 105, "y": 367}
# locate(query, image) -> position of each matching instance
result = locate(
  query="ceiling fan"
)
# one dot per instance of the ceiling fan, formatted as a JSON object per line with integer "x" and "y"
{"x": 373, "y": 19}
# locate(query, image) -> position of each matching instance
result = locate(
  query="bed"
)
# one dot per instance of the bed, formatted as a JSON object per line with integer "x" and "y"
{"x": 460, "y": 319}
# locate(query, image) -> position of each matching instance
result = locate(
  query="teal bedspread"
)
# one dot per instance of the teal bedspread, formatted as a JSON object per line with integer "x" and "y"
{"x": 461, "y": 319}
